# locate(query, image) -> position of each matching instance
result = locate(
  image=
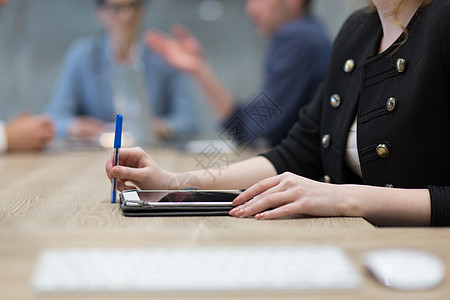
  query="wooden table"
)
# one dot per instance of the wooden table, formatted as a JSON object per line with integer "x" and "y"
{"x": 62, "y": 200}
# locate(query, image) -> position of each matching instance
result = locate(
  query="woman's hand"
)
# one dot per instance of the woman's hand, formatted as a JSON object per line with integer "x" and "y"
{"x": 139, "y": 169}
{"x": 287, "y": 195}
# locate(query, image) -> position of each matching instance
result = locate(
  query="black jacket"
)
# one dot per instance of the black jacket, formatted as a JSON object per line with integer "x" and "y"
{"x": 401, "y": 99}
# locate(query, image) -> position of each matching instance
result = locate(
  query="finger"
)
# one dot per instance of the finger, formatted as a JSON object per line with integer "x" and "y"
{"x": 44, "y": 119}
{"x": 152, "y": 40}
{"x": 109, "y": 165}
{"x": 48, "y": 137}
{"x": 279, "y": 212}
{"x": 239, "y": 210}
{"x": 122, "y": 186}
{"x": 180, "y": 33}
{"x": 43, "y": 135}
{"x": 157, "y": 39}
{"x": 131, "y": 187}
{"x": 131, "y": 174}
{"x": 39, "y": 140}
{"x": 256, "y": 189}
{"x": 45, "y": 139}
{"x": 260, "y": 204}
{"x": 157, "y": 46}
{"x": 130, "y": 157}
{"x": 46, "y": 132}
{"x": 178, "y": 30}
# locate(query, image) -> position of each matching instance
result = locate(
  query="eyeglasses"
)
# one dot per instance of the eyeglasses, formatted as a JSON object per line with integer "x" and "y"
{"x": 116, "y": 8}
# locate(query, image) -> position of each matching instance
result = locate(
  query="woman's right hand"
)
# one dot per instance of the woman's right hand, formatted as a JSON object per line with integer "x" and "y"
{"x": 139, "y": 169}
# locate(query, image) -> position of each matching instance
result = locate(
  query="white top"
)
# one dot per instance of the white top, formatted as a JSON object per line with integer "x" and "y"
{"x": 3, "y": 138}
{"x": 351, "y": 151}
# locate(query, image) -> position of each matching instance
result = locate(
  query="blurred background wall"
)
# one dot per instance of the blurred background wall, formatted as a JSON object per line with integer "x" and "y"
{"x": 34, "y": 35}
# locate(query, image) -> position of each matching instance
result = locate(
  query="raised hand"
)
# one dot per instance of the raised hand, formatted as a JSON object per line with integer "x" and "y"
{"x": 181, "y": 50}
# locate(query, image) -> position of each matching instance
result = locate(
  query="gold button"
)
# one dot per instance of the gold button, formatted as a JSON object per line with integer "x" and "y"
{"x": 335, "y": 100}
{"x": 391, "y": 103}
{"x": 400, "y": 65}
{"x": 382, "y": 150}
{"x": 327, "y": 179}
{"x": 349, "y": 65}
{"x": 326, "y": 141}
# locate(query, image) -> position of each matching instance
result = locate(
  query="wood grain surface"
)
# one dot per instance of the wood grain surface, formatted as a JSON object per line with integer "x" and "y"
{"x": 62, "y": 200}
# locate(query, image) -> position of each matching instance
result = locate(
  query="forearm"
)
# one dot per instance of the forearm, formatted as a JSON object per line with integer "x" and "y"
{"x": 386, "y": 206}
{"x": 240, "y": 175}
{"x": 221, "y": 100}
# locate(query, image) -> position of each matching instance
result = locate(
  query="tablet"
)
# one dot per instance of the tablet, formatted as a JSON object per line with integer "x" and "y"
{"x": 177, "y": 202}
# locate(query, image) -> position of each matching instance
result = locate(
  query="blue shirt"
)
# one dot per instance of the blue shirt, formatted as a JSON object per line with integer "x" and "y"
{"x": 296, "y": 63}
{"x": 84, "y": 88}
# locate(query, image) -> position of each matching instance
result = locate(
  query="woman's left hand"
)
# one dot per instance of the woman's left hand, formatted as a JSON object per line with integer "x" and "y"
{"x": 287, "y": 195}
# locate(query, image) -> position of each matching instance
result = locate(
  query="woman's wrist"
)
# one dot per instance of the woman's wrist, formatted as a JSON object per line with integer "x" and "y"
{"x": 385, "y": 206}
{"x": 348, "y": 203}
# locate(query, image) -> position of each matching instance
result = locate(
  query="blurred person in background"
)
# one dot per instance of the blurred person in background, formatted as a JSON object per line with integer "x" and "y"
{"x": 296, "y": 63}
{"x": 115, "y": 72}
{"x": 25, "y": 132}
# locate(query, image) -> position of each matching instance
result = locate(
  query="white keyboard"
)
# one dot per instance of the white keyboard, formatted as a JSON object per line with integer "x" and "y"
{"x": 194, "y": 269}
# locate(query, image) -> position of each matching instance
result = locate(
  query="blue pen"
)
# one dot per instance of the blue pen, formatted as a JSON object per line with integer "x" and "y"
{"x": 117, "y": 144}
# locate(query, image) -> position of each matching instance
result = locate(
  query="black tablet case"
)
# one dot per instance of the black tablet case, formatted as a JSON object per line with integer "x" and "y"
{"x": 156, "y": 211}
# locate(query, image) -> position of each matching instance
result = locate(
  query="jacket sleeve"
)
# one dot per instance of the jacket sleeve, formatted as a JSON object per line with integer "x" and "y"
{"x": 299, "y": 153}
{"x": 440, "y": 196}
{"x": 182, "y": 118}
{"x": 445, "y": 37}
{"x": 440, "y": 205}
{"x": 63, "y": 103}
